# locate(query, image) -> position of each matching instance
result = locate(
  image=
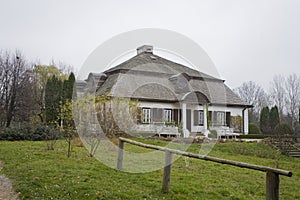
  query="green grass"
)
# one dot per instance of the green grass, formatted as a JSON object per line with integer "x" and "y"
{"x": 41, "y": 174}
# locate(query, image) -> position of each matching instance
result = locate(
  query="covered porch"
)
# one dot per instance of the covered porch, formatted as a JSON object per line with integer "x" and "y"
{"x": 194, "y": 114}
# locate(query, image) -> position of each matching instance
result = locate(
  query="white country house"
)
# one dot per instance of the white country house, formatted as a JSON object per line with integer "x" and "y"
{"x": 169, "y": 92}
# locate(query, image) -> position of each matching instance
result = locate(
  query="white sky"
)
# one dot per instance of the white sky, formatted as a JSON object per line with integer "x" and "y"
{"x": 247, "y": 40}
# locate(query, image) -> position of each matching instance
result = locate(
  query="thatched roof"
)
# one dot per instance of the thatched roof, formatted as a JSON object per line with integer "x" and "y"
{"x": 149, "y": 77}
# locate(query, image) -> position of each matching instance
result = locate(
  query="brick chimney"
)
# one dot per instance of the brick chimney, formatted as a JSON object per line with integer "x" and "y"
{"x": 144, "y": 49}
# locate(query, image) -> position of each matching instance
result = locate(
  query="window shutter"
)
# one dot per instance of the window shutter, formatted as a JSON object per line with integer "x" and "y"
{"x": 228, "y": 119}
{"x": 209, "y": 118}
{"x": 180, "y": 115}
{"x": 155, "y": 114}
{"x": 215, "y": 118}
{"x": 196, "y": 117}
{"x": 175, "y": 115}
{"x": 160, "y": 114}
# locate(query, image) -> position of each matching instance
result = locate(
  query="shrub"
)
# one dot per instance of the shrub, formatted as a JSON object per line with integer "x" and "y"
{"x": 253, "y": 136}
{"x": 43, "y": 132}
{"x": 27, "y": 132}
{"x": 253, "y": 129}
{"x": 23, "y": 132}
{"x": 297, "y": 130}
{"x": 213, "y": 134}
{"x": 283, "y": 129}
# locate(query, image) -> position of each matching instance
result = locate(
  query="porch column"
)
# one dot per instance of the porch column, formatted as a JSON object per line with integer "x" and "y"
{"x": 245, "y": 121}
{"x": 205, "y": 117}
{"x": 183, "y": 107}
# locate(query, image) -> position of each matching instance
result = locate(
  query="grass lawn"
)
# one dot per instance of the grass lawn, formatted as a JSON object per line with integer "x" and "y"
{"x": 38, "y": 173}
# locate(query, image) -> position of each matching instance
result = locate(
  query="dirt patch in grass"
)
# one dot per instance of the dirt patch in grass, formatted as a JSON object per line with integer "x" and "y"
{"x": 6, "y": 190}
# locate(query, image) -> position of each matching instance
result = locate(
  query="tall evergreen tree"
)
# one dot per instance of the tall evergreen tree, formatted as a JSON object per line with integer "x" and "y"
{"x": 72, "y": 92}
{"x": 65, "y": 89}
{"x": 274, "y": 118}
{"x": 264, "y": 120}
{"x": 68, "y": 88}
{"x": 53, "y": 97}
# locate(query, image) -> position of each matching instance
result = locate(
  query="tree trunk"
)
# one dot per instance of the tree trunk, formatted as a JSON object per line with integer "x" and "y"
{"x": 69, "y": 148}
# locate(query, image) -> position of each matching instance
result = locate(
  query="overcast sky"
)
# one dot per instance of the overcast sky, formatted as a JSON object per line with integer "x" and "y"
{"x": 247, "y": 40}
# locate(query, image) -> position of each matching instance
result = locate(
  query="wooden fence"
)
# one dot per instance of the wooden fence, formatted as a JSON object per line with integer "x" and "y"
{"x": 272, "y": 174}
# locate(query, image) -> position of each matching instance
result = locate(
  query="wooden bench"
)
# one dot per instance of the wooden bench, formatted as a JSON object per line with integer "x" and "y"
{"x": 169, "y": 131}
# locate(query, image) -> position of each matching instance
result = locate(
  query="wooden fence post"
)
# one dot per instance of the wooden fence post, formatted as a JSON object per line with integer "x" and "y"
{"x": 167, "y": 173}
{"x": 120, "y": 155}
{"x": 272, "y": 174}
{"x": 272, "y": 186}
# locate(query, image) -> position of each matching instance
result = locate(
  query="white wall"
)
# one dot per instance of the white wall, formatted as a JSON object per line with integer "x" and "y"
{"x": 234, "y": 111}
{"x": 159, "y": 105}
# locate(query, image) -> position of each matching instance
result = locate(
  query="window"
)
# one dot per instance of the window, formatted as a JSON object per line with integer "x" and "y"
{"x": 201, "y": 117}
{"x": 221, "y": 118}
{"x": 146, "y": 115}
{"x": 168, "y": 115}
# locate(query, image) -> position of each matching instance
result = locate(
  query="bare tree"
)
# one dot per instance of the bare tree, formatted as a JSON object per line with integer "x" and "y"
{"x": 22, "y": 87}
{"x": 13, "y": 66}
{"x": 64, "y": 67}
{"x": 292, "y": 87}
{"x": 2, "y": 88}
{"x": 26, "y": 106}
{"x": 278, "y": 93}
{"x": 253, "y": 94}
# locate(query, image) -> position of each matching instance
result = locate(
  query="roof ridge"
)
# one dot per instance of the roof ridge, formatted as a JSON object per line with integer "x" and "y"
{"x": 147, "y": 58}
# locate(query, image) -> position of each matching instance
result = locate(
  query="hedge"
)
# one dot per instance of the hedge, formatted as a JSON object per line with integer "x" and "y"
{"x": 253, "y": 129}
{"x": 29, "y": 133}
{"x": 261, "y": 136}
{"x": 254, "y": 136}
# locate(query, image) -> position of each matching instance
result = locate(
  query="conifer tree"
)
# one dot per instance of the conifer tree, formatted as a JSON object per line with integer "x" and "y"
{"x": 53, "y": 96}
{"x": 264, "y": 120}
{"x": 274, "y": 118}
{"x": 68, "y": 85}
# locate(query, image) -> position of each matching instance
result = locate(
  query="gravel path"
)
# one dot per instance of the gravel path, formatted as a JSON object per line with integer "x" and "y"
{"x": 6, "y": 190}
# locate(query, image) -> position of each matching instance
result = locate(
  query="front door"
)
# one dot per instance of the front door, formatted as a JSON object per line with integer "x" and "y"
{"x": 188, "y": 119}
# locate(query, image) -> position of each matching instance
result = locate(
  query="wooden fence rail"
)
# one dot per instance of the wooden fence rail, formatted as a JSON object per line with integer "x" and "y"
{"x": 272, "y": 174}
